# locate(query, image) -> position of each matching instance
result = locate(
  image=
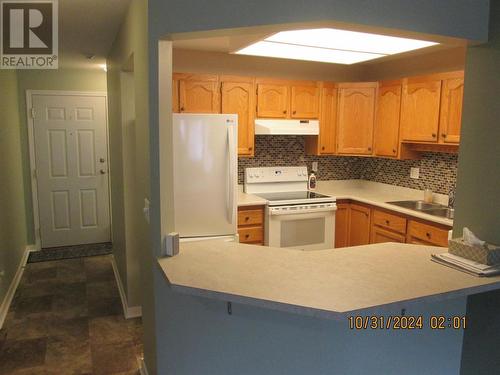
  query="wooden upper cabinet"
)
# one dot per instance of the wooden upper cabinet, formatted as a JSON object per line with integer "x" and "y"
{"x": 199, "y": 93}
{"x": 386, "y": 138}
{"x": 175, "y": 95}
{"x": 420, "y": 109}
{"x": 272, "y": 100}
{"x": 328, "y": 120}
{"x": 356, "y": 110}
{"x": 304, "y": 101}
{"x": 238, "y": 96}
{"x": 359, "y": 225}
{"x": 450, "y": 121}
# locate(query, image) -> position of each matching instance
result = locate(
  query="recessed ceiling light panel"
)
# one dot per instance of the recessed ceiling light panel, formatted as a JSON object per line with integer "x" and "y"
{"x": 332, "y": 45}
{"x": 296, "y": 52}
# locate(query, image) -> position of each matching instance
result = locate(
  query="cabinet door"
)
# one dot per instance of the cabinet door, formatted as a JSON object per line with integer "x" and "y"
{"x": 272, "y": 100}
{"x": 387, "y": 121}
{"x": 359, "y": 225}
{"x": 327, "y": 120}
{"x": 355, "y": 120}
{"x": 199, "y": 95}
{"x": 238, "y": 97}
{"x": 342, "y": 225}
{"x": 175, "y": 95}
{"x": 420, "y": 110}
{"x": 451, "y": 110}
{"x": 379, "y": 235}
{"x": 304, "y": 101}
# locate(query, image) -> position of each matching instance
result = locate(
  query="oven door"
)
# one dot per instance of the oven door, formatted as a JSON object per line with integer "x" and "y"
{"x": 314, "y": 230}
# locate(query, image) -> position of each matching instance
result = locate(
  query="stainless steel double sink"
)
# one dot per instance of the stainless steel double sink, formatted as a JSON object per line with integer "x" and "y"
{"x": 434, "y": 209}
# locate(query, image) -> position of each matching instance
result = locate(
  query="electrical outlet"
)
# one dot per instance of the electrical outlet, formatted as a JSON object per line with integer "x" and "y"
{"x": 315, "y": 166}
{"x": 415, "y": 173}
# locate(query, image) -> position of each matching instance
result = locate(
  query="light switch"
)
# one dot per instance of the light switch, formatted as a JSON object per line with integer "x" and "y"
{"x": 315, "y": 166}
{"x": 145, "y": 210}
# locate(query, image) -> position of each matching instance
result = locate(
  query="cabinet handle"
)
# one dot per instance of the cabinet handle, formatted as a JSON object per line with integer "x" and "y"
{"x": 247, "y": 235}
{"x": 247, "y": 218}
{"x": 284, "y": 112}
{"x": 443, "y": 135}
{"x": 369, "y": 148}
{"x": 433, "y": 135}
{"x": 250, "y": 148}
{"x": 387, "y": 222}
{"x": 182, "y": 109}
{"x": 294, "y": 112}
{"x": 366, "y": 214}
{"x": 428, "y": 235}
{"x": 393, "y": 150}
{"x": 323, "y": 148}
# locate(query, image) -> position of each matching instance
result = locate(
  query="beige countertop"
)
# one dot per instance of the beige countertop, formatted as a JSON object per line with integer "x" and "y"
{"x": 249, "y": 199}
{"x": 331, "y": 283}
{"x": 373, "y": 193}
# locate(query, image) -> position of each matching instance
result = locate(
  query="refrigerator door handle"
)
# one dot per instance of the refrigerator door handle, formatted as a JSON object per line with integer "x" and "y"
{"x": 232, "y": 162}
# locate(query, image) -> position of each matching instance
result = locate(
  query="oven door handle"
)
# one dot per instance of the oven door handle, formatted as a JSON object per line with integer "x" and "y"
{"x": 299, "y": 212}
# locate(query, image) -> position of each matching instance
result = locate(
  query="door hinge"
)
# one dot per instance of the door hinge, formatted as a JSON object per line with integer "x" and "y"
{"x": 32, "y": 113}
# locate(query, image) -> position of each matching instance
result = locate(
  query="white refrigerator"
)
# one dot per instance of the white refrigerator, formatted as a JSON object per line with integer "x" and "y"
{"x": 205, "y": 175}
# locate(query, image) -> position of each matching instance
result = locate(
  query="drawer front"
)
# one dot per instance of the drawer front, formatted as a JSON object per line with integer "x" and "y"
{"x": 251, "y": 234}
{"x": 386, "y": 220}
{"x": 380, "y": 235}
{"x": 428, "y": 233}
{"x": 250, "y": 217}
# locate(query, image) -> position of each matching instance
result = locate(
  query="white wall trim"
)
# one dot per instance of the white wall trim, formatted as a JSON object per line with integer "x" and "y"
{"x": 143, "y": 369}
{"x": 31, "y": 150}
{"x": 4, "y": 307}
{"x": 128, "y": 311}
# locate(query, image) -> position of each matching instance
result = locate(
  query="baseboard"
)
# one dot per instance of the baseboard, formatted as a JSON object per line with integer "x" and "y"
{"x": 128, "y": 311}
{"x": 143, "y": 369}
{"x": 4, "y": 307}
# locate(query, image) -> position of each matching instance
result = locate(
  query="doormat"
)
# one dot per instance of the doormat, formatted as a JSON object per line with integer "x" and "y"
{"x": 69, "y": 252}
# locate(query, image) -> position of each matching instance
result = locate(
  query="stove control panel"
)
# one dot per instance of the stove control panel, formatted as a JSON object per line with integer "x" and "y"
{"x": 275, "y": 174}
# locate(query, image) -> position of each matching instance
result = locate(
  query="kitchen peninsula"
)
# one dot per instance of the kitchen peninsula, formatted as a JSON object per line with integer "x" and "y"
{"x": 256, "y": 309}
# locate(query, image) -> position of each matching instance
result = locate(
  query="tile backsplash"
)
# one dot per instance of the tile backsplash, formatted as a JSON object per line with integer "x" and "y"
{"x": 437, "y": 171}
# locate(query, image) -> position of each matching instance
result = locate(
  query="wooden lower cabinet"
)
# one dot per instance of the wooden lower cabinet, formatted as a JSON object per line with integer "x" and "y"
{"x": 358, "y": 224}
{"x": 251, "y": 224}
{"x": 342, "y": 225}
{"x": 379, "y": 235}
{"x": 419, "y": 232}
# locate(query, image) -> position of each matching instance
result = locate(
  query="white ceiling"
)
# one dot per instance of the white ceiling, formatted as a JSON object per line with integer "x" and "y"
{"x": 88, "y": 27}
{"x": 230, "y": 41}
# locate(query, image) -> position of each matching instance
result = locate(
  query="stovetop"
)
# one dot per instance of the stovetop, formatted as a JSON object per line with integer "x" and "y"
{"x": 294, "y": 197}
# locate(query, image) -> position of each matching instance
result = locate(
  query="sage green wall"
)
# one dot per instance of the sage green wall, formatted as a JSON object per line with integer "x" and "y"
{"x": 129, "y": 147}
{"x": 92, "y": 79}
{"x": 463, "y": 19}
{"x": 478, "y": 191}
{"x": 12, "y": 208}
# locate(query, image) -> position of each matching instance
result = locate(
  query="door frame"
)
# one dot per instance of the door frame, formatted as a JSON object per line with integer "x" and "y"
{"x": 31, "y": 148}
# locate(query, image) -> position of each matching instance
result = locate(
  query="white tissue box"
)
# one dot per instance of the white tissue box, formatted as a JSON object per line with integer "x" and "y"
{"x": 487, "y": 254}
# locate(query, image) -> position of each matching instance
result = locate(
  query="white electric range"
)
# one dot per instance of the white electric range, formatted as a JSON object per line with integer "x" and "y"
{"x": 295, "y": 217}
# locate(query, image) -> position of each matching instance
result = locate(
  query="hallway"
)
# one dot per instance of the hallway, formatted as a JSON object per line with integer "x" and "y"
{"x": 66, "y": 318}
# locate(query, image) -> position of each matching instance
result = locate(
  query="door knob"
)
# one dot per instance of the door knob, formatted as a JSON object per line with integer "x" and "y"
{"x": 102, "y": 160}
{"x": 103, "y": 171}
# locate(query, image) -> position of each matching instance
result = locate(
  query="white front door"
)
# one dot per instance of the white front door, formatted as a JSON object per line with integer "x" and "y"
{"x": 70, "y": 136}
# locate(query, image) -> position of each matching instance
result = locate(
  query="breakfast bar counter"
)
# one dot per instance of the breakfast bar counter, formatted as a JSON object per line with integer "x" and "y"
{"x": 330, "y": 284}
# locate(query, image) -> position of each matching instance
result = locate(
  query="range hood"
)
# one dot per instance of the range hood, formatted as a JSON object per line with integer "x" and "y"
{"x": 286, "y": 127}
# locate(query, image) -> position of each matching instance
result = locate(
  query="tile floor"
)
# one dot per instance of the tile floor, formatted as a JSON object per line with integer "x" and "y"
{"x": 66, "y": 318}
